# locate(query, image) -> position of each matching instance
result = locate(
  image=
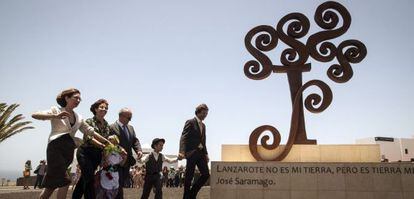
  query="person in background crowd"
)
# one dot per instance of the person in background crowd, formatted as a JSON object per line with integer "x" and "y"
{"x": 138, "y": 180}
{"x": 176, "y": 179}
{"x": 40, "y": 172}
{"x": 171, "y": 176}
{"x": 181, "y": 175}
{"x": 26, "y": 174}
{"x": 165, "y": 176}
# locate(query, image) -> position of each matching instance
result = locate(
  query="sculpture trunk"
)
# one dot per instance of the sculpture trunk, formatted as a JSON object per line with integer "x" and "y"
{"x": 295, "y": 83}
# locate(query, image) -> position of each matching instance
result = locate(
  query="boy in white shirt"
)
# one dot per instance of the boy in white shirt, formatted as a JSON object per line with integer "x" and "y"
{"x": 153, "y": 164}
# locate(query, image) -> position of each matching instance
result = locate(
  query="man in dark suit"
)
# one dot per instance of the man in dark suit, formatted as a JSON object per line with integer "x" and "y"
{"x": 193, "y": 148}
{"x": 128, "y": 141}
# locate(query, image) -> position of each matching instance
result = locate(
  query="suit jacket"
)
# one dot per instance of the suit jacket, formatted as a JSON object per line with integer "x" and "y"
{"x": 192, "y": 137}
{"x": 128, "y": 145}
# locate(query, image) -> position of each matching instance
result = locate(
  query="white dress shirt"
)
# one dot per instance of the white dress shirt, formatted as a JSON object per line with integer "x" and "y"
{"x": 145, "y": 159}
{"x": 200, "y": 126}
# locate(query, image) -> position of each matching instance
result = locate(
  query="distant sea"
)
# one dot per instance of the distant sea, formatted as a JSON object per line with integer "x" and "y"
{"x": 11, "y": 175}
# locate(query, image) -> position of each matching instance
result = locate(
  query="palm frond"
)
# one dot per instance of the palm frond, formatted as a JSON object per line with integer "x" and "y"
{"x": 6, "y": 114}
{"x": 2, "y": 107}
{"x": 2, "y": 138}
{"x": 16, "y": 119}
{"x": 13, "y": 129}
{"x": 11, "y": 122}
{"x": 14, "y": 125}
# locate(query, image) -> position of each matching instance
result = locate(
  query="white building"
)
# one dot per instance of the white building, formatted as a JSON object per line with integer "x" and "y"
{"x": 393, "y": 149}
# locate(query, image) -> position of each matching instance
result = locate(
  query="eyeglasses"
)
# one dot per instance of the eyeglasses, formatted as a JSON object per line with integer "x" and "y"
{"x": 103, "y": 108}
{"x": 77, "y": 98}
{"x": 128, "y": 118}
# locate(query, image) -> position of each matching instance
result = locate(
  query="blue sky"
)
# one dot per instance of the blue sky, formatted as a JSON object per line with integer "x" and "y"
{"x": 162, "y": 58}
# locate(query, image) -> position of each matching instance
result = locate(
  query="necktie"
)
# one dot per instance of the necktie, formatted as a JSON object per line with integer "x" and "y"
{"x": 200, "y": 124}
{"x": 126, "y": 132}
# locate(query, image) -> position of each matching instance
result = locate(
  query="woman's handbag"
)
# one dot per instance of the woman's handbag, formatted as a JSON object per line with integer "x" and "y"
{"x": 26, "y": 173}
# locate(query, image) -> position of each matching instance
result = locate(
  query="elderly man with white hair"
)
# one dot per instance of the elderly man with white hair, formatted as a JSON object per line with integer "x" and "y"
{"x": 128, "y": 141}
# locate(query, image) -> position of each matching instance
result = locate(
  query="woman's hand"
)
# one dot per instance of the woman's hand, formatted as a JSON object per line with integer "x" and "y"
{"x": 102, "y": 146}
{"x": 105, "y": 164}
{"x": 62, "y": 115}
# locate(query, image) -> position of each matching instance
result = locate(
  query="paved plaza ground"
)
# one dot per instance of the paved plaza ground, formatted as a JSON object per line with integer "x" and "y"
{"x": 17, "y": 192}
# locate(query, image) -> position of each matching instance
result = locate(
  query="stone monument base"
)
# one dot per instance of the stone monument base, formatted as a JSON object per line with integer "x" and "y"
{"x": 282, "y": 180}
{"x": 307, "y": 153}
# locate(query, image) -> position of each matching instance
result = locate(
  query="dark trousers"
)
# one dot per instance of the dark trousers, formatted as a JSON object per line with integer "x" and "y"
{"x": 123, "y": 177}
{"x": 152, "y": 181}
{"x": 88, "y": 159}
{"x": 39, "y": 179}
{"x": 198, "y": 158}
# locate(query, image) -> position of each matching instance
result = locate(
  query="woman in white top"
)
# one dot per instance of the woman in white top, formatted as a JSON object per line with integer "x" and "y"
{"x": 62, "y": 142}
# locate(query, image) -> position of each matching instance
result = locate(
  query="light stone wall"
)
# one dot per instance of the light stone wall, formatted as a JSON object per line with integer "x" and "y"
{"x": 409, "y": 145}
{"x": 344, "y": 181}
{"x": 307, "y": 153}
{"x": 394, "y": 151}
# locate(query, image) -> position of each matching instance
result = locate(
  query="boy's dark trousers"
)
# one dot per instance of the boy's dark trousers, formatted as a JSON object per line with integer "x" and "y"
{"x": 152, "y": 180}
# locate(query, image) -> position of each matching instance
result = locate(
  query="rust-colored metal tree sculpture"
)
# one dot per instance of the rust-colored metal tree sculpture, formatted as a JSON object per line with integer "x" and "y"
{"x": 289, "y": 30}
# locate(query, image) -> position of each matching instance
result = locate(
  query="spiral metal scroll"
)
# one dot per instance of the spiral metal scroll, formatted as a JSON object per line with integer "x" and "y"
{"x": 311, "y": 101}
{"x": 265, "y": 41}
{"x": 335, "y": 20}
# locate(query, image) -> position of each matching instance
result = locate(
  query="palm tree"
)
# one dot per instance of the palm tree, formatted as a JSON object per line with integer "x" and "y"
{"x": 12, "y": 126}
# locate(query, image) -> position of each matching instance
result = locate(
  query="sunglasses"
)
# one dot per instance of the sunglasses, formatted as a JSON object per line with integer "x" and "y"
{"x": 128, "y": 118}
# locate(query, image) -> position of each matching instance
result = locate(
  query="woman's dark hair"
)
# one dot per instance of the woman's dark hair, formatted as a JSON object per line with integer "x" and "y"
{"x": 96, "y": 105}
{"x": 60, "y": 99}
{"x": 200, "y": 108}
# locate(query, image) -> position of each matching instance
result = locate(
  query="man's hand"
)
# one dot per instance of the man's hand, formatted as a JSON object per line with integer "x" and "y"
{"x": 124, "y": 154}
{"x": 181, "y": 156}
